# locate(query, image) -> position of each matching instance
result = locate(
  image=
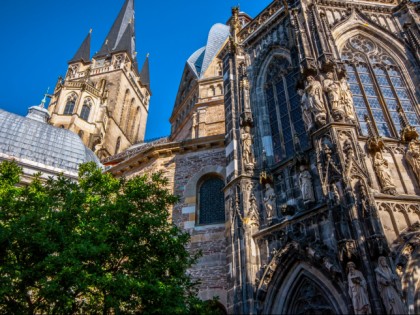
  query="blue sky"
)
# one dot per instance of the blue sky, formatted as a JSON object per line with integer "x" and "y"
{"x": 39, "y": 37}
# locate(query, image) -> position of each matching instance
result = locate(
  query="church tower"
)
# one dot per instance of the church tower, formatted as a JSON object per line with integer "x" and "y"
{"x": 105, "y": 99}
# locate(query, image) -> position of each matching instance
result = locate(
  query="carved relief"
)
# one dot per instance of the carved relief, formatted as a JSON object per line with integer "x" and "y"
{"x": 357, "y": 290}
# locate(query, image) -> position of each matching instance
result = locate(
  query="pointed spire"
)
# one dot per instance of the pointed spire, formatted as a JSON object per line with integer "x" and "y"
{"x": 83, "y": 54}
{"x": 145, "y": 74}
{"x": 121, "y": 37}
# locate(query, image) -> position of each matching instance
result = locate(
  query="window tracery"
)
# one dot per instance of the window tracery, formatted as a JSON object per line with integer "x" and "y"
{"x": 378, "y": 87}
{"x": 71, "y": 102}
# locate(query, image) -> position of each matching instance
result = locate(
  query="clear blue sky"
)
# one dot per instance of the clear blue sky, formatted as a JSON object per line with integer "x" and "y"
{"x": 39, "y": 37}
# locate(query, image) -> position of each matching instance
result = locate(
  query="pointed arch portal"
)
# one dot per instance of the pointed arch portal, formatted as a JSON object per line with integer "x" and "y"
{"x": 304, "y": 290}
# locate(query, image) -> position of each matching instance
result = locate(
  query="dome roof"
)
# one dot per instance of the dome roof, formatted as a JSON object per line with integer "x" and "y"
{"x": 30, "y": 139}
{"x": 201, "y": 59}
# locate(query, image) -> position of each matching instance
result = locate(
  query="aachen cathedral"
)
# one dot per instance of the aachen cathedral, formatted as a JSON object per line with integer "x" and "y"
{"x": 294, "y": 147}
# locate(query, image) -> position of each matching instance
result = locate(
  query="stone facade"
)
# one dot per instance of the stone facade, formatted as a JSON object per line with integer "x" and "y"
{"x": 319, "y": 154}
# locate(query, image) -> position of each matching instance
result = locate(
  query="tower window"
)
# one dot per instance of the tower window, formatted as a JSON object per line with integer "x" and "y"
{"x": 211, "y": 208}
{"x": 87, "y": 105}
{"x": 71, "y": 101}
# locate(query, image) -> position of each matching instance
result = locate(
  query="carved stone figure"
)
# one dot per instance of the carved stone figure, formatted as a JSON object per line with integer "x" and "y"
{"x": 269, "y": 201}
{"x": 413, "y": 157}
{"x": 306, "y": 110}
{"x": 347, "y": 99}
{"x": 357, "y": 290}
{"x": 305, "y": 183}
{"x": 247, "y": 146}
{"x": 333, "y": 90}
{"x": 388, "y": 288}
{"x": 316, "y": 104}
{"x": 384, "y": 175}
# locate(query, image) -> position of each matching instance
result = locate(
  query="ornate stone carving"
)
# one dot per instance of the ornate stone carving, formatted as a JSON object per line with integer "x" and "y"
{"x": 384, "y": 175}
{"x": 357, "y": 290}
{"x": 333, "y": 89}
{"x": 388, "y": 284}
{"x": 269, "y": 201}
{"x": 252, "y": 216}
{"x": 306, "y": 187}
{"x": 314, "y": 101}
{"x": 413, "y": 157}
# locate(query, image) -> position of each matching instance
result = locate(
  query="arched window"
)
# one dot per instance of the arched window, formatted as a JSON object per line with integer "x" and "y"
{"x": 124, "y": 106}
{"x": 211, "y": 209}
{"x": 379, "y": 90}
{"x": 219, "y": 90}
{"x": 211, "y": 91}
{"x": 71, "y": 102}
{"x": 81, "y": 133}
{"x": 135, "y": 118}
{"x": 117, "y": 145}
{"x": 283, "y": 106}
{"x": 87, "y": 105}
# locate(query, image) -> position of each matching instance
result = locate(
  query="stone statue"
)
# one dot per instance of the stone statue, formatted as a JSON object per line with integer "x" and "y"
{"x": 306, "y": 110}
{"x": 347, "y": 99}
{"x": 333, "y": 89}
{"x": 305, "y": 183}
{"x": 269, "y": 201}
{"x": 388, "y": 288}
{"x": 413, "y": 157}
{"x": 247, "y": 146}
{"x": 357, "y": 290}
{"x": 384, "y": 175}
{"x": 316, "y": 101}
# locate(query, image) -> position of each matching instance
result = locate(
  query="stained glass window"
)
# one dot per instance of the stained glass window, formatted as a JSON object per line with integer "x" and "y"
{"x": 283, "y": 104}
{"x": 211, "y": 201}
{"x": 378, "y": 88}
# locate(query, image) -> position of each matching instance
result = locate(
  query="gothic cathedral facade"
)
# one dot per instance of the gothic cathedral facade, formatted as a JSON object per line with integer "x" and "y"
{"x": 105, "y": 99}
{"x": 295, "y": 150}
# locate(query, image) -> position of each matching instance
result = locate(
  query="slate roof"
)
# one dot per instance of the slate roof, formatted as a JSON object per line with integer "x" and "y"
{"x": 121, "y": 36}
{"x": 83, "y": 53}
{"x": 145, "y": 74}
{"x": 29, "y": 139}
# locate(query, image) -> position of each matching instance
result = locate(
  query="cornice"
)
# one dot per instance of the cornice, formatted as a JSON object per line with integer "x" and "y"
{"x": 166, "y": 149}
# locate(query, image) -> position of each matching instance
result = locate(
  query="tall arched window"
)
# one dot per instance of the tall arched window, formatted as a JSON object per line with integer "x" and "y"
{"x": 283, "y": 105}
{"x": 71, "y": 102}
{"x": 87, "y": 105}
{"x": 117, "y": 145}
{"x": 124, "y": 106}
{"x": 211, "y": 209}
{"x": 378, "y": 88}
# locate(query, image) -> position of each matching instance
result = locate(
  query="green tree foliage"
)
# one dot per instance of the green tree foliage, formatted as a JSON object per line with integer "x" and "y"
{"x": 100, "y": 245}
